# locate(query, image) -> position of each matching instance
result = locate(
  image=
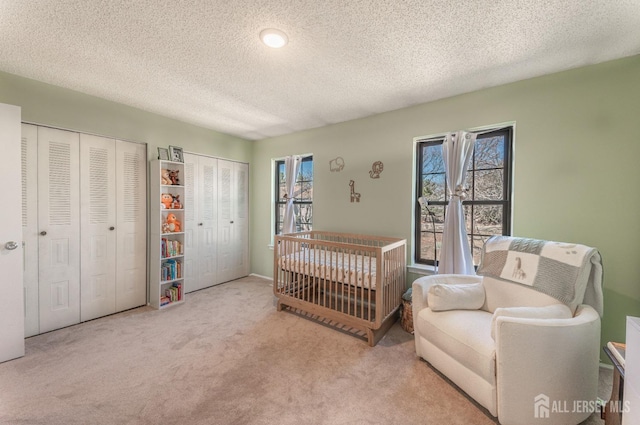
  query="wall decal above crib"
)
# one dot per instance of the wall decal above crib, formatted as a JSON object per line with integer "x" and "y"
{"x": 355, "y": 196}
{"x": 336, "y": 164}
{"x": 376, "y": 169}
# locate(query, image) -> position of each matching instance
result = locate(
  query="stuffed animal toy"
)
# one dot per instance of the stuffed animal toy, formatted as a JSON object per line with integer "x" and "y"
{"x": 166, "y": 199}
{"x": 174, "y": 223}
{"x": 164, "y": 174}
{"x": 175, "y": 202}
{"x": 173, "y": 175}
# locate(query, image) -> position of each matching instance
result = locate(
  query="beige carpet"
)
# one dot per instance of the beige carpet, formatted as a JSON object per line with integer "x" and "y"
{"x": 227, "y": 357}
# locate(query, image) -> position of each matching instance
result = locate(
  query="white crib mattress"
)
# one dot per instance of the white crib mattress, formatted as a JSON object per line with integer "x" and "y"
{"x": 351, "y": 269}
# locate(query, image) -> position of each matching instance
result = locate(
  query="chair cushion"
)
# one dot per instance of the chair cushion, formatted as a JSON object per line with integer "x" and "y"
{"x": 463, "y": 334}
{"x": 499, "y": 293}
{"x": 464, "y": 296}
{"x": 556, "y": 311}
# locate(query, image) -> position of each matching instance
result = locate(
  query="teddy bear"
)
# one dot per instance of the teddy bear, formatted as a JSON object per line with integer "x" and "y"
{"x": 175, "y": 202}
{"x": 164, "y": 174}
{"x": 166, "y": 199}
{"x": 173, "y": 175}
{"x": 174, "y": 223}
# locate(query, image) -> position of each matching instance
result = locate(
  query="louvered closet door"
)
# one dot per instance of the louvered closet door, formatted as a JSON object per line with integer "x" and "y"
{"x": 191, "y": 242}
{"x": 207, "y": 211}
{"x": 225, "y": 221}
{"x": 131, "y": 226}
{"x": 59, "y": 226}
{"x": 97, "y": 227}
{"x": 30, "y": 228}
{"x": 240, "y": 203}
{"x": 233, "y": 220}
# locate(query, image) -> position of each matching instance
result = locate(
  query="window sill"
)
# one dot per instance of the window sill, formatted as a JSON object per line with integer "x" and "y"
{"x": 421, "y": 269}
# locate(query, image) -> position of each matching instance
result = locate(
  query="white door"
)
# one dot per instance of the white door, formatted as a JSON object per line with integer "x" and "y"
{"x": 131, "y": 226}
{"x": 191, "y": 243}
{"x": 241, "y": 220}
{"x": 59, "y": 225}
{"x": 30, "y": 228}
{"x": 12, "y": 299}
{"x": 225, "y": 221}
{"x": 207, "y": 211}
{"x": 98, "y": 219}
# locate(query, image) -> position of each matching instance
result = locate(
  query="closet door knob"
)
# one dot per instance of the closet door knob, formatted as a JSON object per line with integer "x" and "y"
{"x": 112, "y": 228}
{"x": 199, "y": 224}
{"x": 11, "y": 245}
{"x": 43, "y": 233}
{"x": 231, "y": 222}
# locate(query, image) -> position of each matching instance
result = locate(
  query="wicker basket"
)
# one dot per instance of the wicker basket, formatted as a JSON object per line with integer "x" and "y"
{"x": 406, "y": 316}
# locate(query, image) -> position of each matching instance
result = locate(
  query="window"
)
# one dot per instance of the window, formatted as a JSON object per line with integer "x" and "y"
{"x": 302, "y": 195}
{"x": 487, "y": 206}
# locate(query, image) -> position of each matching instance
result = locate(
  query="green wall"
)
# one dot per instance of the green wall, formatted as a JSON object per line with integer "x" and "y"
{"x": 575, "y": 174}
{"x": 58, "y": 107}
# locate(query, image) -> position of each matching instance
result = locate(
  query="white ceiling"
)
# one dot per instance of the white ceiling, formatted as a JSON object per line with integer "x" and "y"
{"x": 201, "y": 61}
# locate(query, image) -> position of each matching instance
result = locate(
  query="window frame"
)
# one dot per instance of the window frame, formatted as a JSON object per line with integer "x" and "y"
{"x": 276, "y": 197}
{"x": 508, "y": 131}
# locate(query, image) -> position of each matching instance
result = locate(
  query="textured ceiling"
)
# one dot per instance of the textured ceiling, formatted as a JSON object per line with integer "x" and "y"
{"x": 201, "y": 61}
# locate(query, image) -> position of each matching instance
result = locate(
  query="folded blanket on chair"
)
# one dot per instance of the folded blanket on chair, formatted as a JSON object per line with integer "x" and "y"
{"x": 571, "y": 273}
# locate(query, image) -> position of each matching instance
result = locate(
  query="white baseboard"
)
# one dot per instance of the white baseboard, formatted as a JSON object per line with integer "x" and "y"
{"x": 260, "y": 276}
{"x": 606, "y": 366}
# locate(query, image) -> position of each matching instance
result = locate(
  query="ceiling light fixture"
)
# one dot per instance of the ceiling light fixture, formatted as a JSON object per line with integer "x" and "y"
{"x": 274, "y": 38}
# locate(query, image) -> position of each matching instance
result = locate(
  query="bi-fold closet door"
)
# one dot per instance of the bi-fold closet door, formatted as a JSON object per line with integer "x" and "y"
{"x": 84, "y": 226}
{"x": 200, "y": 221}
{"x": 113, "y": 226}
{"x": 216, "y": 221}
{"x": 233, "y": 220}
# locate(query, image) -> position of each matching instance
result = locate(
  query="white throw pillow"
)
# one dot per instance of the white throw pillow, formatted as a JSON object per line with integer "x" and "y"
{"x": 463, "y": 296}
{"x": 554, "y": 311}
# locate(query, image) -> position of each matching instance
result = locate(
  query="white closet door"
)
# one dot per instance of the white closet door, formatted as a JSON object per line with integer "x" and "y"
{"x": 191, "y": 242}
{"x": 30, "y": 228}
{"x": 241, "y": 220}
{"x": 225, "y": 221}
{"x": 98, "y": 219}
{"x": 59, "y": 225}
{"x": 207, "y": 265}
{"x": 131, "y": 226}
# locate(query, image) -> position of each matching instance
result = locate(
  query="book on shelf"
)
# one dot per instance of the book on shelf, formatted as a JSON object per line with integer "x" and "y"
{"x": 171, "y": 270}
{"x": 170, "y": 248}
{"x": 174, "y": 292}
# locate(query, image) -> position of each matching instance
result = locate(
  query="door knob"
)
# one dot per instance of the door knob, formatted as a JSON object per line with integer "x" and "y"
{"x": 199, "y": 224}
{"x": 231, "y": 222}
{"x": 43, "y": 233}
{"x": 11, "y": 245}
{"x": 111, "y": 228}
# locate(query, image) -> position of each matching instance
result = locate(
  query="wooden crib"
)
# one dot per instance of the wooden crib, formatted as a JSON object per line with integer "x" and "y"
{"x": 347, "y": 280}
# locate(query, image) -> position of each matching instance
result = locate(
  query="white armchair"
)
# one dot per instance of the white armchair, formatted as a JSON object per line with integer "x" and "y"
{"x": 525, "y": 356}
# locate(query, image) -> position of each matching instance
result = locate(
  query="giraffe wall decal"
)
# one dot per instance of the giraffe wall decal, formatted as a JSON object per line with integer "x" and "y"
{"x": 355, "y": 197}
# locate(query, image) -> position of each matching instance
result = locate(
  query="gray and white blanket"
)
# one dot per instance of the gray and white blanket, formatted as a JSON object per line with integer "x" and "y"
{"x": 571, "y": 273}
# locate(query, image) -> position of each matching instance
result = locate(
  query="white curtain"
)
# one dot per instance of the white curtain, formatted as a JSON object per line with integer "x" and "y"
{"x": 455, "y": 254}
{"x": 291, "y": 170}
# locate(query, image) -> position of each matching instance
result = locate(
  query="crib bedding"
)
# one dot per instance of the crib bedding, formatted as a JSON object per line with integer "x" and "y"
{"x": 348, "y": 268}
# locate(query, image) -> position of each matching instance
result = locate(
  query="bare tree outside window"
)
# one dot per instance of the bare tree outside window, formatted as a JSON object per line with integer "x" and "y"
{"x": 302, "y": 196}
{"x": 487, "y": 206}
